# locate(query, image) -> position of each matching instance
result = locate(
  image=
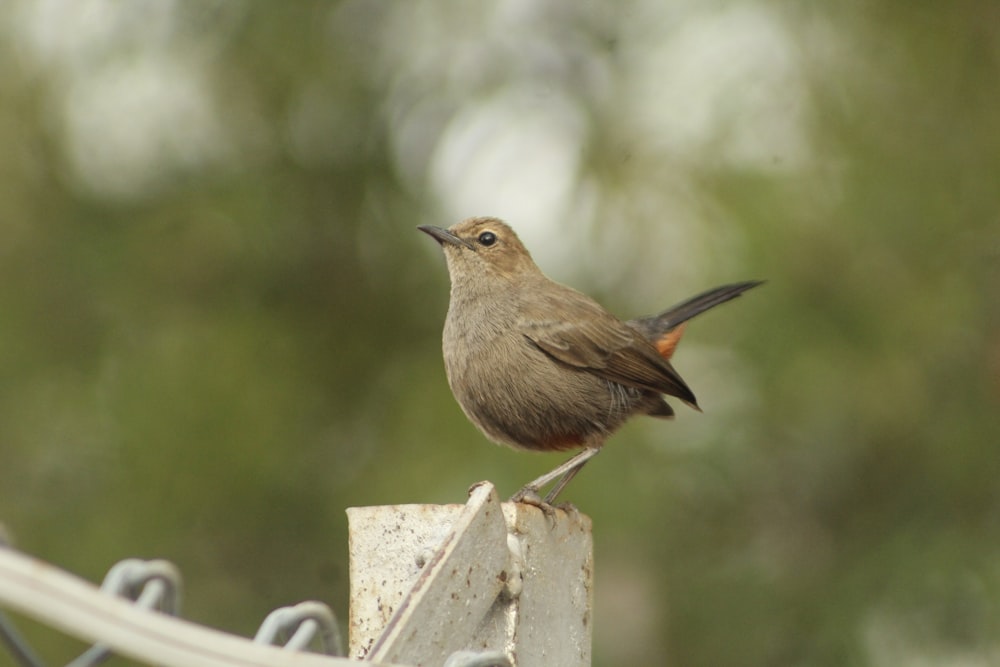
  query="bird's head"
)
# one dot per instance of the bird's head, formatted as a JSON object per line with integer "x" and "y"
{"x": 482, "y": 247}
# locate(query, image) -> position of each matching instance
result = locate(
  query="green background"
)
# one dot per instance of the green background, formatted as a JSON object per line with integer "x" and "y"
{"x": 210, "y": 349}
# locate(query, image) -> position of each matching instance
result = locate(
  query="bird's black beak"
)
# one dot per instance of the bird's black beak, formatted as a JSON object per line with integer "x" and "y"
{"x": 444, "y": 236}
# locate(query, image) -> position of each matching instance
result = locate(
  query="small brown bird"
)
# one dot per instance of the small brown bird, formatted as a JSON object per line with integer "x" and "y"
{"x": 540, "y": 366}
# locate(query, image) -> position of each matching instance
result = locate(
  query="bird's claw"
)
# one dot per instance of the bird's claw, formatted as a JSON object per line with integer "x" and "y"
{"x": 569, "y": 508}
{"x": 529, "y": 496}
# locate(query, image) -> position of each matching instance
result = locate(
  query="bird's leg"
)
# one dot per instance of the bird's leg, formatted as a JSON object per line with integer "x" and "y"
{"x": 564, "y": 473}
{"x": 551, "y": 496}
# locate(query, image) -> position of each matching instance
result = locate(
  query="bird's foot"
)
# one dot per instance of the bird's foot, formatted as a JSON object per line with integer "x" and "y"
{"x": 529, "y": 496}
{"x": 569, "y": 508}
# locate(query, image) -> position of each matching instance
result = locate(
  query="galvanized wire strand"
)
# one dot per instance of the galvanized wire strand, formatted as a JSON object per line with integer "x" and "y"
{"x": 304, "y": 621}
{"x": 152, "y": 584}
{"x": 17, "y": 645}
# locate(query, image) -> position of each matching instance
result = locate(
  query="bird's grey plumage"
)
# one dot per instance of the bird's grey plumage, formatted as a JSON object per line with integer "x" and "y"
{"x": 538, "y": 365}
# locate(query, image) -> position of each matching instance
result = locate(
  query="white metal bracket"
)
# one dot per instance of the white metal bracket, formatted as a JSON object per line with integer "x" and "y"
{"x": 430, "y": 580}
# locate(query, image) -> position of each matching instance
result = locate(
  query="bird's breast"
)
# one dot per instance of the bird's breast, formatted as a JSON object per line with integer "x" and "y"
{"x": 518, "y": 395}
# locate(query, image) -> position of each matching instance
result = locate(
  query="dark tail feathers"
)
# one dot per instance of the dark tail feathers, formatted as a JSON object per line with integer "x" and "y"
{"x": 655, "y": 325}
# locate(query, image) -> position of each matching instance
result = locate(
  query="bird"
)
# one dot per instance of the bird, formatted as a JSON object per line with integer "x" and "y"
{"x": 539, "y": 366}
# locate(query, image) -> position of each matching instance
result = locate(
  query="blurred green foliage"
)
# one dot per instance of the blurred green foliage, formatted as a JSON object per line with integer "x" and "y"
{"x": 211, "y": 344}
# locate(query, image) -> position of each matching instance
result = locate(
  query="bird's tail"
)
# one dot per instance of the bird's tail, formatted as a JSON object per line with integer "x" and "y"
{"x": 664, "y": 330}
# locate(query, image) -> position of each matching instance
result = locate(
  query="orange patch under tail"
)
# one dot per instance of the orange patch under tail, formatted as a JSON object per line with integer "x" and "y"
{"x": 667, "y": 343}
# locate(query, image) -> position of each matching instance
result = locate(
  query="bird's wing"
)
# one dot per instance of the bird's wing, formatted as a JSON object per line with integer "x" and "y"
{"x": 586, "y": 336}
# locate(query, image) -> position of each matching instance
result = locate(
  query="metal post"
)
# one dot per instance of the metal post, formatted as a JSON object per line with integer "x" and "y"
{"x": 430, "y": 580}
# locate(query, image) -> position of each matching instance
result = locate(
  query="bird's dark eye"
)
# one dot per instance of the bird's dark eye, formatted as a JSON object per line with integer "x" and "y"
{"x": 487, "y": 239}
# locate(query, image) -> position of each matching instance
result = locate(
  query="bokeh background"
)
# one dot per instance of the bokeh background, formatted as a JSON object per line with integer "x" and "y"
{"x": 219, "y": 327}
